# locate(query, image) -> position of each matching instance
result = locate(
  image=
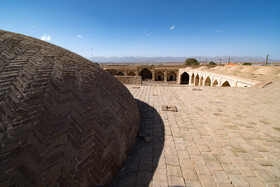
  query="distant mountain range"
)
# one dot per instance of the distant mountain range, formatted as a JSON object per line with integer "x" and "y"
{"x": 140, "y": 59}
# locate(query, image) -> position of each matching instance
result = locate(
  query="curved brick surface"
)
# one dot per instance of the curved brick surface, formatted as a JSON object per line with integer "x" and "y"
{"x": 63, "y": 120}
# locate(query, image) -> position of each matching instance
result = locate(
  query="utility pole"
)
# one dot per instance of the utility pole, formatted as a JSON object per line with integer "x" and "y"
{"x": 266, "y": 59}
{"x": 91, "y": 55}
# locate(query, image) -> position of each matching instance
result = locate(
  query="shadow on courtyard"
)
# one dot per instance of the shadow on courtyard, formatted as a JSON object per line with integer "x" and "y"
{"x": 139, "y": 168}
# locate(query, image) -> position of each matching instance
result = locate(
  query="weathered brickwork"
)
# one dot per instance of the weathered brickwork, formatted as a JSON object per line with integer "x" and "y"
{"x": 63, "y": 119}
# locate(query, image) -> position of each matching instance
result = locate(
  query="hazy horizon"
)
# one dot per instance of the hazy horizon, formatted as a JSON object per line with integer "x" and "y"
{"x": 143, "y": 59}
{"x": 150, "y": 27}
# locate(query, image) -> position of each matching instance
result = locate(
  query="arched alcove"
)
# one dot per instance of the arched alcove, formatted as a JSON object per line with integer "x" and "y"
{"x": 207, "y": 82}
{"x": 215, "y": 83}
{"x": 120, "y": 73}
{"x": 159, "y": 76}
{"x": 192, "y": 79}
{"x": 201, "y": 81}
{"x": 226, "y": 84}
{"x": 171, "y": 76}
{"x": 131, "y": 74}
{"x": 196, "y": 80}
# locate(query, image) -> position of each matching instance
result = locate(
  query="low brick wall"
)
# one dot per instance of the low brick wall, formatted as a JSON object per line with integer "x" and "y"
{"x": 129, "y": 79}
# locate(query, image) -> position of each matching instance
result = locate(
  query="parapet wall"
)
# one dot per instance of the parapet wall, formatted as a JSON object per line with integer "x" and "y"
{"x": 129, "y": 79}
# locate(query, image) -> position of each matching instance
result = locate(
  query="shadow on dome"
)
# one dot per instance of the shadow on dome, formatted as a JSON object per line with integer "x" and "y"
{"x": 139, "y": 168}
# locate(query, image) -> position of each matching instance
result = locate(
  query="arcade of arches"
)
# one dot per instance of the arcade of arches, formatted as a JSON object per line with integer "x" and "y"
{"x": 177, "y": 75}
{"x": 197, "y": 80}
{"x": 149, "y": 73}
{"x": 200, "y": 80}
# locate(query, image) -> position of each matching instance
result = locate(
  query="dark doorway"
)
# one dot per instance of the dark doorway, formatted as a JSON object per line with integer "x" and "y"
{"x": 185, "y": 78}
{"x": 159, "y": 77}
{"x": 146, "y": 74}
{"x": 171, "y": 77}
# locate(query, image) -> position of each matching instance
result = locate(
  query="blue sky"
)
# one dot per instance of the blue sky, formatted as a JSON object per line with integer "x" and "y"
{"x": 150, "y": 27}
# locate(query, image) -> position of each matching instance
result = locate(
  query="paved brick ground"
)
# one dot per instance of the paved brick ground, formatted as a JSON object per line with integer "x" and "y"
{"x": 218, "y": 137}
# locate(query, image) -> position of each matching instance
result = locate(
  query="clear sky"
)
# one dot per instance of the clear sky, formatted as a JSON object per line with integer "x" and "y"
{"x": 150, "y": 27}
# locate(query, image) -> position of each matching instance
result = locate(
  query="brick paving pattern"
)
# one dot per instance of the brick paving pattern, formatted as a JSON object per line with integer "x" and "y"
{"x": 218, "y": 137}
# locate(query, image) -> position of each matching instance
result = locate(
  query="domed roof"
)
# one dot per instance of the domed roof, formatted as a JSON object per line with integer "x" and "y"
{"x": 235, "y": 68}
{"x": 63, "y": 119}
{"x": 217, "y": 68}
{"x": 249, "y": 69}
{"x": 268, "y": 70}
{"x": 203, "y": 67}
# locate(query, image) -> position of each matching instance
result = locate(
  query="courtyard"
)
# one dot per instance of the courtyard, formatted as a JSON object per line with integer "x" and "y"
{"x": 219, "y": 137}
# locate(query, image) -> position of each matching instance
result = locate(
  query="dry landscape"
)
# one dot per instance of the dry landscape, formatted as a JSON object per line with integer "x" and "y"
{"x": 65, "y": 121}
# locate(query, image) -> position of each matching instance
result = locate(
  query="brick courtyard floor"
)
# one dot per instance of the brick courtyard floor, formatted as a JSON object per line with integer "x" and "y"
{"x": 218, "y": 137}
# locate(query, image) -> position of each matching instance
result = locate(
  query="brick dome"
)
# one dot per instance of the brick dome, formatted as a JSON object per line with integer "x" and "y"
{"x": 63, "y": 119}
